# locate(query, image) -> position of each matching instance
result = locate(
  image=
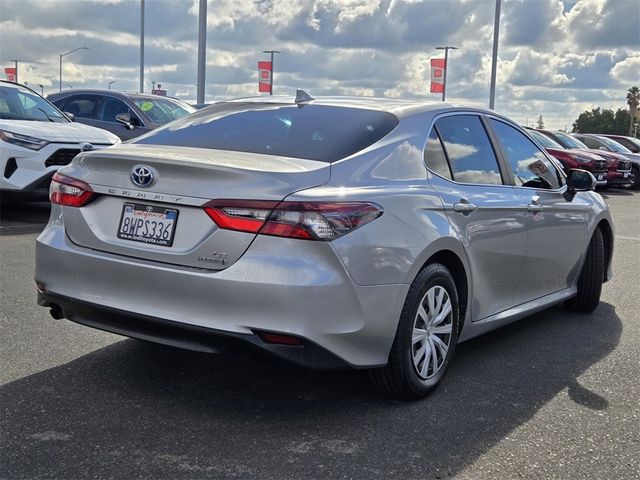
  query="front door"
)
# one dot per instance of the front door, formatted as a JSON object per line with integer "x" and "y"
{"x": 557, "y": 228}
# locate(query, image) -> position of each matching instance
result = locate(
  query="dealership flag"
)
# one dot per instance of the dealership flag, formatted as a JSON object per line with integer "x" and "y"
{"x": 10, "y": 72}
{"x": 437, "y": 75}
{"x": 264, "y": 77}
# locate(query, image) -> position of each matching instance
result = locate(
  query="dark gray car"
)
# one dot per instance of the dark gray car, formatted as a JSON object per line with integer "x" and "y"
{"x": 128, "y": 115}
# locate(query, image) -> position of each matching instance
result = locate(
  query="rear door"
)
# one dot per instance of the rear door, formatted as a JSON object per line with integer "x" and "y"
{"x": 557, "y": 228}
{"x": 482, "y": 208}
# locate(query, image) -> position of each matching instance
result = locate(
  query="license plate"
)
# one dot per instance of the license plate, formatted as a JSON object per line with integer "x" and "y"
{"x": 148, "y": 224}
{"x": 600, "y": 177}
{"x": 625, "y": 175}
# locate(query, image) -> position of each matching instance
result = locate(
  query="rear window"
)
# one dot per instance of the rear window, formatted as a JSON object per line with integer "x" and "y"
{"x": 315, "y": 132}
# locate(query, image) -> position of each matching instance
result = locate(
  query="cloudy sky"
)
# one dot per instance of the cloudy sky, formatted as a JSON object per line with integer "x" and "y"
{"x": 557, "y": 58}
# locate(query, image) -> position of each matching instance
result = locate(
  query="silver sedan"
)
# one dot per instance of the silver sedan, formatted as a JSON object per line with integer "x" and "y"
{"x": 336, "y": 232}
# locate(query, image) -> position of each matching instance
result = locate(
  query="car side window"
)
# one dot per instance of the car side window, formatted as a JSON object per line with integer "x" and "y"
{"x": 468, "y": 149}
{"x": 110, "y": 108}
{"x": 591, "y": 142}
{"x": 434, "y": 156}
{"x": 82, "y": 106}
{"x": 531, "y": 168}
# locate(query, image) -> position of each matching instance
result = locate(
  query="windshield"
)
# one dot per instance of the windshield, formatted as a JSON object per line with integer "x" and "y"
{"x": 314, "y": 132}
{"x": 615, "y": 146}
{"x": 568, "y": 141}
{"x": 19, "y": 103}
{"x": 163, "y": 110}
{"x": 543, "y": 140}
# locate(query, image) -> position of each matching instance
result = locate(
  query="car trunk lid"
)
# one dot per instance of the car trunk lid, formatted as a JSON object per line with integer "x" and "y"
{"x": 184, "y": 179}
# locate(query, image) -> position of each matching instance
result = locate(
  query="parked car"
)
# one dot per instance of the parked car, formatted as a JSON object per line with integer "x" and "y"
{"x": 632, "y": 143}
{"x": 346, "y": 232}
{"x": 621, "y": 169}
{"x": 569, "y": 159}
{"x": 604, "y": 144}
{"x": 128, "y": 115}
{"x": 35, "y": 140}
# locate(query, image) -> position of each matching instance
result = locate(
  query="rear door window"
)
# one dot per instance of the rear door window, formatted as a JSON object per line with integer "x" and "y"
{"x": 434, "y": 156}
{"x": 468, "y": 149}
{"x": 530, "y": 167}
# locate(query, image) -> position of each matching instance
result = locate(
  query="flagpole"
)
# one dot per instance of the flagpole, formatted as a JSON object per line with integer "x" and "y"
{"x": 446, "y": 67}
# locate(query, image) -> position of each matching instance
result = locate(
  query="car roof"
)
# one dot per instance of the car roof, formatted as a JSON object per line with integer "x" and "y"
{"x": 397, "y": 106}
{"x": 113, "y": 93}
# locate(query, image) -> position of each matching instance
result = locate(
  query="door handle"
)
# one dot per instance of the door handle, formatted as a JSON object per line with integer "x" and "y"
{"x": 534, "y": 206}
{"x": 463, "y": 206}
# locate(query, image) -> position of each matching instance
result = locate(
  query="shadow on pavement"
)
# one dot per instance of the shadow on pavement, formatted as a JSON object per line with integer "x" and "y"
{"x": 138, "y": 410}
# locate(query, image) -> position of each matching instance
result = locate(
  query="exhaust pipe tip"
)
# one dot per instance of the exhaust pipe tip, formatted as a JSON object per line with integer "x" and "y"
{"x": 56, "y": 312}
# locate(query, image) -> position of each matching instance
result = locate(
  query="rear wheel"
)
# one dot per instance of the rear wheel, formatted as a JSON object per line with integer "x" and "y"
{"x": 590, "y": 281}
{"x": 426, "y": 337}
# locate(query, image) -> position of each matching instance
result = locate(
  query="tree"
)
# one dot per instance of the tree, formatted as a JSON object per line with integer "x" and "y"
{"x": 633, "y": 99}
{"x": 540, "y": 123}
{"x": 602, "y": 121}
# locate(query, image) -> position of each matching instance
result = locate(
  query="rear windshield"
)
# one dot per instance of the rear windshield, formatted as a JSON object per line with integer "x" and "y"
{"x": 315, "y": 132}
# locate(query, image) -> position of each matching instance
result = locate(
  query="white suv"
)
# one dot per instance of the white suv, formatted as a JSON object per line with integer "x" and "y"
{"x": 36, "y": 139}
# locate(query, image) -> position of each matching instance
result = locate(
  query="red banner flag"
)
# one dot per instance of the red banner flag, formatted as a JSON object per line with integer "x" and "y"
{"x": 437, "y": 75}
{"x": 10, "y": 72}
{"x": 264, "y": 77}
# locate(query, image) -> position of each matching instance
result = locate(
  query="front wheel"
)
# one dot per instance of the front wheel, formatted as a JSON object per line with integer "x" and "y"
{"x": 426, "y": 337}
{"x": 590, "y": 281}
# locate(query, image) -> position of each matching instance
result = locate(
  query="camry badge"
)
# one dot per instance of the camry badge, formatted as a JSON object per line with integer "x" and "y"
{"x": 142, "y": 176}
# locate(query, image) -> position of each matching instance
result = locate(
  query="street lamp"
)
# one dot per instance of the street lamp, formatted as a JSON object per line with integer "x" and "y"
{"x": 271, "y": 77}
{"x": 111, "y": 83}
{"x": 64, "y": 55}
{"x": 41, "y": 89}
{"x": 68, "y": 85}
{"x": 446, "y": 67}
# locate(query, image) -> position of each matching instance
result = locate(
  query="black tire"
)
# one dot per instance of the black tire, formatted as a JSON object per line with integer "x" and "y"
{"x": 636, "y": 173}
{"x": 591, "y": 277}
{"x": 400, "y": 378}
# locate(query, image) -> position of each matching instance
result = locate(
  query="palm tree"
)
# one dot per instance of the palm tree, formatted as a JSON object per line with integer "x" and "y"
{"x": 633, "y": 99}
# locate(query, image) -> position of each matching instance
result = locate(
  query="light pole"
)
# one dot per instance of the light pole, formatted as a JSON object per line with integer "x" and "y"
{"x": 494, "y": 58}
{"x": 141, "y": 46}
{"x": 446, "y": 67}
{"x": 271, "y": 77}
{"x": 64, "y": 55}
{"x": 15, "y": 63}
{"x": 111, "y": 83}
{"x": 41, "y": 89}
{"x": 202, "y": 52}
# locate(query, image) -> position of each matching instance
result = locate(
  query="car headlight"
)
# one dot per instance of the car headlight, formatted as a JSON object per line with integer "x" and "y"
{"x": 25, "y": 141}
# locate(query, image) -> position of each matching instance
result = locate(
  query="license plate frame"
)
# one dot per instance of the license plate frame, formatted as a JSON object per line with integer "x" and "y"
{"x": 157, "y": 227}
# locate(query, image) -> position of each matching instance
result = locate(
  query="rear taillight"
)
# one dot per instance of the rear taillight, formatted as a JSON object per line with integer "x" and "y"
{"x": 68, "y": 191}
{"x": 303, "y": 220}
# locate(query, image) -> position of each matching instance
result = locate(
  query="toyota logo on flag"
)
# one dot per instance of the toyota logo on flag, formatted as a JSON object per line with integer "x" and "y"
{"x": 142, "y": 176}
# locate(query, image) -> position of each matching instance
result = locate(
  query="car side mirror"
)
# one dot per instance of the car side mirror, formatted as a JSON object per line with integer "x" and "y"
{"x": 125, "y": 119}
{"x": 579, "y": 181}
{"x": 70, "y": 116}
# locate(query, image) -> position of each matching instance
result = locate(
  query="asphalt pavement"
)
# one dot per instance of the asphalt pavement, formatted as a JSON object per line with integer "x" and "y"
{"x": 554, "y": 396}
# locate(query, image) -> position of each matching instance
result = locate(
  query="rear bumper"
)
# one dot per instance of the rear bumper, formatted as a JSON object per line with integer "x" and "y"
{"x": 181, "y": 335}
{"x": 286, "y": 286}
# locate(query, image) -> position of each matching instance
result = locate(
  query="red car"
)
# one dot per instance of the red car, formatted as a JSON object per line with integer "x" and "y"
{"x": 569, "y": 159}
{"x": 619, "y": 172}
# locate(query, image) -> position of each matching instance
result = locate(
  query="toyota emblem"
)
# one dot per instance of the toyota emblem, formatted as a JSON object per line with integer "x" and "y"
{"x": 142, "y": 176}
{"x": 86, "y": 147}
